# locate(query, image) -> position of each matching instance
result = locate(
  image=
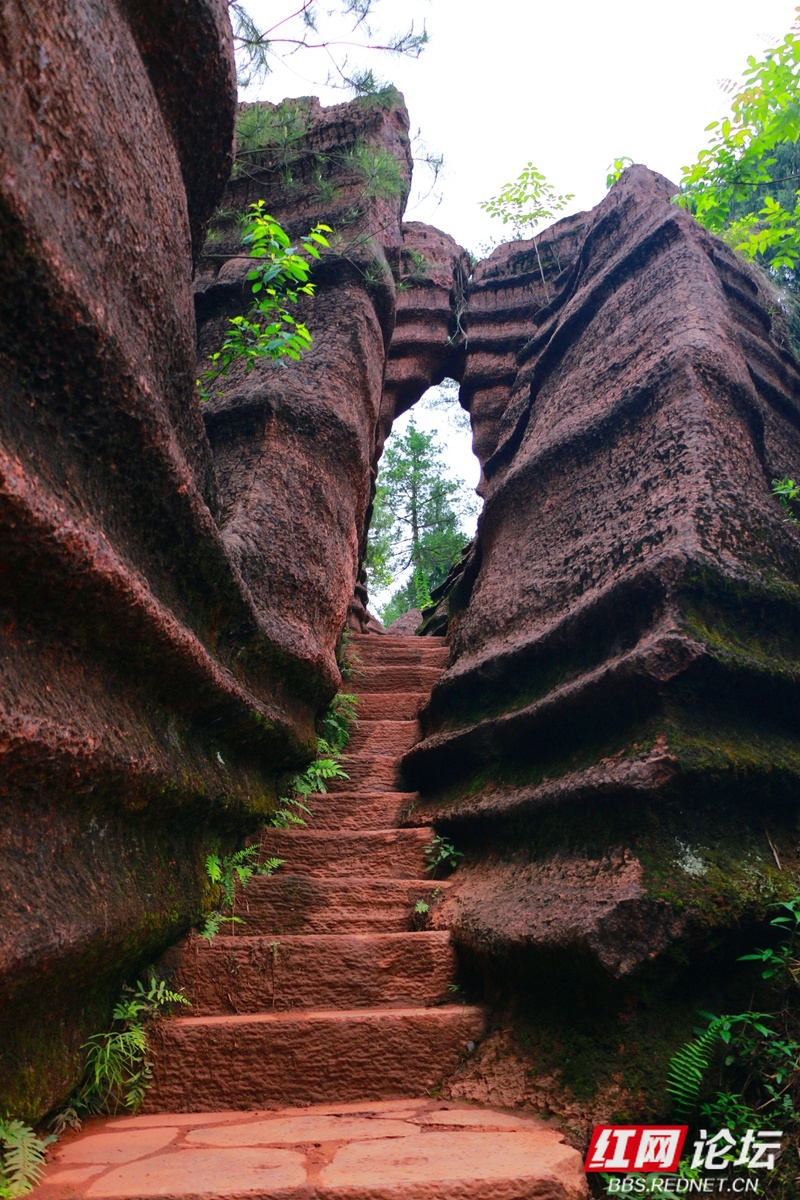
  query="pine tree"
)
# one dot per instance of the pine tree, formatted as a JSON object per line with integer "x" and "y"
{"x": 416, "y": 526}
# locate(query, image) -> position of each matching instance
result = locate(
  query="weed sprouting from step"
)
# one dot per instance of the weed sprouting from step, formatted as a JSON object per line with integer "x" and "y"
{"x": 118, "y": 1064}
{"x": 225, "y": 873}
{"x": 441, "y": 855}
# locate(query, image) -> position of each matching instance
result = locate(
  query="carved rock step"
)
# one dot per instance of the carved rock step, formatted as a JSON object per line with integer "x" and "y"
{"x": 389, "y": 853}
{"x": 398, "y": 650}
{"x": 390, "y": 706}
{"x": 208, "y": 1063}
{"x": 389, "y": 678}
{"x": 244, "y": 974}
{"x": 385, "y": 1150}
{"x": 372, "y": 772}
{"x": 382, "y": 737}
{"x": 295, "y": 904}
{"x": 359, "y": 810}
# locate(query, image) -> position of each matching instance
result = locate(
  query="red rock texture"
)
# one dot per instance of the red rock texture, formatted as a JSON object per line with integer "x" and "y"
{"x": 293, "y": 442}
{"x": 617, "y": 725}
{"x": 142, "y": 714}
{"x": 504, "y": 294}
{"x": 314, "y": 1004}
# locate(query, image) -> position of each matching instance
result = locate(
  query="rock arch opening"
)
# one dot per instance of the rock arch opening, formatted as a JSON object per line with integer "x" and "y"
{"x": 425, "y": 509}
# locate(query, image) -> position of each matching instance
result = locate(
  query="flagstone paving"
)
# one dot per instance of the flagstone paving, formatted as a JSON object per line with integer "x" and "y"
{"x": 384, "y": 1150}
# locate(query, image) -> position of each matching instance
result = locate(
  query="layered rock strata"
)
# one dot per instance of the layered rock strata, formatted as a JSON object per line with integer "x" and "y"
{"x": 616, "y": 744}
{"x": 146, "y": 706}
{"x": 296, "y": 448}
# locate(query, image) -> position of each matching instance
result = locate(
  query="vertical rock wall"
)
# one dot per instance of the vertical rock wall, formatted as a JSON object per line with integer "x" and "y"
{"x": 145, "y": 710}
{"x": 296, "y": 444}
{"x": 616, "y": 743}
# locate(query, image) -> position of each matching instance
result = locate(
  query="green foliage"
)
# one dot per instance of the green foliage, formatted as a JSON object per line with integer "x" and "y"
{"x": 616, "y": 168}
{"x": 788, "y": 493}
{"x": 275, "y": 129}
{"x": 761, "y": 1050}
{"x": 335, "y": 726}
{"x": 308, "y": 28}
{"x": 526, "y": 202}
{"x": 281, "y": 277}
{"x": 373, "y": 93}
{"x": 21, "y": 1158}
{"x": 338, "y": 721}
{"x": 414, "y": 269}
{"x": 441, "y": 854}
{"x": 416, "y": 522}
{"x": 347, "y": 659}
{"x": 689, "y": 1064}
{"x": 743, "y": 160}
{"x": 378, "y": 170}
{"x": 118, "y": 1064}
{"x": 225, "y": 872}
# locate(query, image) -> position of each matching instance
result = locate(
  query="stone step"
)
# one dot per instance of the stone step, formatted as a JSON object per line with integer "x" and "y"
{"x": 388, "y": 853}
{"x": 412, "y": 677}
{"x": 245, "y": 974}
{"x": 295, "y": 904}
{"x": 391, "y": 706}
{"x": 360, "y": 810}
{"x": 368, "y": 772}
{"x": 383, "y": 737}
{"x": 201, "y": 1064}
{"x": 420, "y": 1149}
{"x": 368, "y": 650}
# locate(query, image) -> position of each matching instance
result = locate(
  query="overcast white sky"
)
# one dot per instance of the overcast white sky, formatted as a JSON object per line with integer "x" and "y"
{"x": 569, "y": 86}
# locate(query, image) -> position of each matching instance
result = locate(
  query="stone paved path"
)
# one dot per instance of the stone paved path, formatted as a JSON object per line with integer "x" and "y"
{"x": 320, "y": 1027}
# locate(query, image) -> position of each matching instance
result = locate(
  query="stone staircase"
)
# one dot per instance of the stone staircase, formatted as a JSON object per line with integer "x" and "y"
{"x": 326, "y": 1005}
{"x": 319, "y": 996}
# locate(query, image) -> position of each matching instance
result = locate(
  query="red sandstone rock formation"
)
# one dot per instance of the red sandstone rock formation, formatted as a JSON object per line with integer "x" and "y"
{"x": 615, "y": 741}
{"x": 617, "y": 735}
{"x": 296, "y": 444}
{"x": 142, "y": 708}
{"x": 293, "y": 442}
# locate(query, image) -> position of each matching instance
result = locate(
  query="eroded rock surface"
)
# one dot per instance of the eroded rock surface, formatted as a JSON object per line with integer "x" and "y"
{"x": 117, "y": 600}
{"x": 618, "y": 724}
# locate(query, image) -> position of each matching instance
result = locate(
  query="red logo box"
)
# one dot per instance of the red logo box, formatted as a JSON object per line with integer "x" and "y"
{"x": 635, "y": 1147}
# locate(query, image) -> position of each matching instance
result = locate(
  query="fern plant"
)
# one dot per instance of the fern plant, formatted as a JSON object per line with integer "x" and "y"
{"x": 688, "y": 1066}
{"x": 21, "y": 1158}
{"x": 225, "y": 872}
{"x": 339, "y": 720}
{"x": 118, "y": 1063}
{"x": 336, "y": 724}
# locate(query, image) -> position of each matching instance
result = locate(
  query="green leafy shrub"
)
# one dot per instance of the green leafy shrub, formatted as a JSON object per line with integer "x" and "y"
{"x": 280, "y": 277}
{"x": 759, "y": 1067}
{"x": 788, "y": 493}
{"x": 441, "y": 855}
